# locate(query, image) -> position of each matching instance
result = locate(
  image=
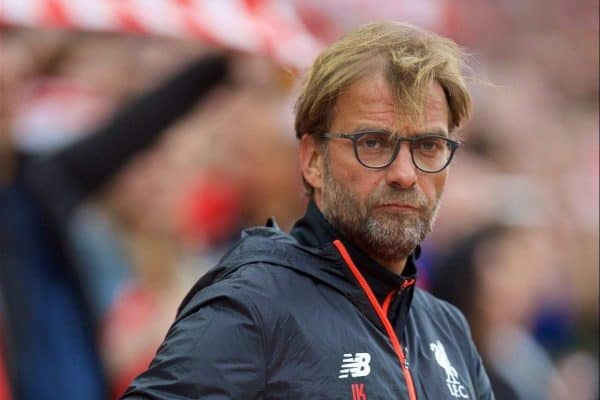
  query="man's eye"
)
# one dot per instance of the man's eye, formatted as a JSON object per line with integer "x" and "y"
{"x": 430, "y": 144}
{"x": 373, "y": 142}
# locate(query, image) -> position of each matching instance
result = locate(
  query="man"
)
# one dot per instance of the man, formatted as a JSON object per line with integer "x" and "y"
{"x": 331, "y": 311}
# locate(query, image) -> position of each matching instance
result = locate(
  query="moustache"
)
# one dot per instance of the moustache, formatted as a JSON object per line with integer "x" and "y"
{"x": 411, "y": 197}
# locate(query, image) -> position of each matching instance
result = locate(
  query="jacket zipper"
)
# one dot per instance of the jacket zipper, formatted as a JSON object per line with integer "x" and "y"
{"x": 412, "y": 395}
{"x": 390, "y": 296}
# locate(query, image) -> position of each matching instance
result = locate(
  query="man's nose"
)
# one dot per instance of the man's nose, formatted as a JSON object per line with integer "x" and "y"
{"x": 402, "y": 172}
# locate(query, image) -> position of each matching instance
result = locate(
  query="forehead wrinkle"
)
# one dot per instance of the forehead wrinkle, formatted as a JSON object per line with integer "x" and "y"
{"x": 435, "y": 109}
{"x": 374, "y": 104}
{"x": 370, "y": 104}
{"x": 377, "y": 89}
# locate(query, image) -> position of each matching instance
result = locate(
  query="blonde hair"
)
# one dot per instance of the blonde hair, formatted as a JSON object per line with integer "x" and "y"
{"x": 410, "y": 59}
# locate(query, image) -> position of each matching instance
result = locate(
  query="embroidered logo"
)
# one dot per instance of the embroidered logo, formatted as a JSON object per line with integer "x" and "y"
{"x": 355, "y": 366}
{"x": 455, "y": 387}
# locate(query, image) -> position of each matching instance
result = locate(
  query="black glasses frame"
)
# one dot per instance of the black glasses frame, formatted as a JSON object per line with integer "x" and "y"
{"x": 355, "y": 136}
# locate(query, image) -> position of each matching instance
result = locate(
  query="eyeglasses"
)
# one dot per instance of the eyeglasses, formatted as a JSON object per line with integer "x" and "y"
{"x": 378, "y": 149}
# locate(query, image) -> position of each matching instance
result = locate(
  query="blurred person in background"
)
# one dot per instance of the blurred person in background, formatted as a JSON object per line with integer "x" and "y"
{"x": 291, "y": 315}
{"x": 498, "y": 277}
{"x": 479, "y": 277}
{"x": 60, "y": 267}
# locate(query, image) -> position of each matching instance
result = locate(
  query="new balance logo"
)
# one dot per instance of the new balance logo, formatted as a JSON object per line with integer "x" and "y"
{"x": 355, "y": 366}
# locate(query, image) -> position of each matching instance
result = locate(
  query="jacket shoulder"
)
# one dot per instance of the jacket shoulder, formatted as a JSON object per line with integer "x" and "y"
{"x": 440, "y": 310}
{"x": 249, "y": 271}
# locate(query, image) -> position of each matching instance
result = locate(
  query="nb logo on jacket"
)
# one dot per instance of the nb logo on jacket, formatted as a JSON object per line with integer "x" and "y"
{"x": 355, "y": 366}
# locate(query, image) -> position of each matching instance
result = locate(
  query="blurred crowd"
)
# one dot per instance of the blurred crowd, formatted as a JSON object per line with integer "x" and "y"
{"x": 129, "y": 164}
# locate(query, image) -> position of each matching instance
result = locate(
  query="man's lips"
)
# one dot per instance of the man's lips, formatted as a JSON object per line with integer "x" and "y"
{"x": 398, "y": 207}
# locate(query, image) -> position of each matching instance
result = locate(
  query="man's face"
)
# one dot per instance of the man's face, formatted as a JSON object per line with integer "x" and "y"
{"x": 385, "y": 212}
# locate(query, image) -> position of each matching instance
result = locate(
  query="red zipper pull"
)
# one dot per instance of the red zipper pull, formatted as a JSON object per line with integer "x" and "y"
{"x": 407, "y": 283}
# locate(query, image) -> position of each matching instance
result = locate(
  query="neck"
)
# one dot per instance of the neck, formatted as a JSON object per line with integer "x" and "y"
{"x": 397, "y": 266}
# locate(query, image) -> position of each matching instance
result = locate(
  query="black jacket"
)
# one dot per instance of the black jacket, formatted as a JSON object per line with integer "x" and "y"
{"x": 283, "y": 317}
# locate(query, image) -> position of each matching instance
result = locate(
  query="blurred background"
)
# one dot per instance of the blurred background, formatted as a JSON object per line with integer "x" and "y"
{"x": 136, "y": 141}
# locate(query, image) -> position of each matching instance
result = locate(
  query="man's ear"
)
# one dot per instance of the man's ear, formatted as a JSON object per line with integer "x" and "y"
{"x": 311, "y": 161}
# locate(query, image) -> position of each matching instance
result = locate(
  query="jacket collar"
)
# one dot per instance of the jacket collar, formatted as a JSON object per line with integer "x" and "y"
{"x": 313, "y": 230}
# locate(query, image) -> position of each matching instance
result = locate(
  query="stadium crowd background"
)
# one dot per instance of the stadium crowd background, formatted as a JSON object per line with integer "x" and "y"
{"x": 516, "y": 243}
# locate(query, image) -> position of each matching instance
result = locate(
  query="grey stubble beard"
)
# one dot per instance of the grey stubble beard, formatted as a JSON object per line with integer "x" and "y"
{"x": 383, "y": 235}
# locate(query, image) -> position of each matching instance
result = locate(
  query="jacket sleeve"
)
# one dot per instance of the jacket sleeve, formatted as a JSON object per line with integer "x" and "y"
{"x": 214, "y": 350}
{"x": 484, "y": 387}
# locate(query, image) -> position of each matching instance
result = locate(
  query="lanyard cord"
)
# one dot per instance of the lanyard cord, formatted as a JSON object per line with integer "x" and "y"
{"x": 382, "y": 317}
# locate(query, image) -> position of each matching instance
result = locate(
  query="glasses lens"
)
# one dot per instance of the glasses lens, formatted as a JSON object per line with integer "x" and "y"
{"x": 431, "y": 153}
{"x": 375, "y": 149}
